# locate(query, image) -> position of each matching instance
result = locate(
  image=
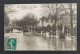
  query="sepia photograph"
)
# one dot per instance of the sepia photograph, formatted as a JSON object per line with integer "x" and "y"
{"x": 40, "y": 27}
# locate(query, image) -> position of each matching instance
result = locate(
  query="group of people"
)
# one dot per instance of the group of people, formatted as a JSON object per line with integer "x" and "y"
{"x": 63, "y": 30}
{"x": 7, "y": 30}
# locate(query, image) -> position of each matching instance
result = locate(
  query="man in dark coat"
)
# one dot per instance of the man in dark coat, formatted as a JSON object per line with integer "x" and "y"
{"x": 53, "y": 30}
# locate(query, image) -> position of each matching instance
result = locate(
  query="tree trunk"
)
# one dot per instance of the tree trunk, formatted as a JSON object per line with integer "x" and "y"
{"x": 42, "y": 27}
{"x": 71, "y": 19}
{"x": 56, "y": 19}
{"x": 45, "y": 33}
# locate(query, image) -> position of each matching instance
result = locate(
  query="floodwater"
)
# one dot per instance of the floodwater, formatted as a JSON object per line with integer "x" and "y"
{"x": 29, "y": 42}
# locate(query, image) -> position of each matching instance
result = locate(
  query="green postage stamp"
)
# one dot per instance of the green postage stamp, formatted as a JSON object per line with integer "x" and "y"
{"x": 11, "y": 43}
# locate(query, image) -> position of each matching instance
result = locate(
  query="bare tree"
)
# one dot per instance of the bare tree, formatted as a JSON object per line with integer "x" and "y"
{"x": 58, "y": 11}
{"x": 6, "y": 20}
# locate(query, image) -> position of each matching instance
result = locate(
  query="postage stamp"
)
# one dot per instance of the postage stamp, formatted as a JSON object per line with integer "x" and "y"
{"x": 11, "y": 43}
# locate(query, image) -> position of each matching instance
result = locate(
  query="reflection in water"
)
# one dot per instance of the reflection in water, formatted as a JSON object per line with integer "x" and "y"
{"x": 29, "y": 42}
{"x": 62, "y": 44}
{"x": 44, "y": 43}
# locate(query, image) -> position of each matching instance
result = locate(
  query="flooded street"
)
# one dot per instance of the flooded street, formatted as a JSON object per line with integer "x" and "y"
{"x": 30, "y": 42}
{"x": 40, "y": 27}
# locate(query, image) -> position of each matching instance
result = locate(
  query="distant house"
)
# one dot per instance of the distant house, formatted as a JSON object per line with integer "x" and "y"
{"x": 65, "y": 18}
{"x": 46, "y": 23}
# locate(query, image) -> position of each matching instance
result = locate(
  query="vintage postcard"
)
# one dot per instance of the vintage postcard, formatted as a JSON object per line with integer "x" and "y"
{"x": 40, "y": 27}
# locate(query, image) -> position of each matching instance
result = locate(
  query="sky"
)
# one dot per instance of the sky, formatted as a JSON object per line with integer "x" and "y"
{"x": 22, "y": 9}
